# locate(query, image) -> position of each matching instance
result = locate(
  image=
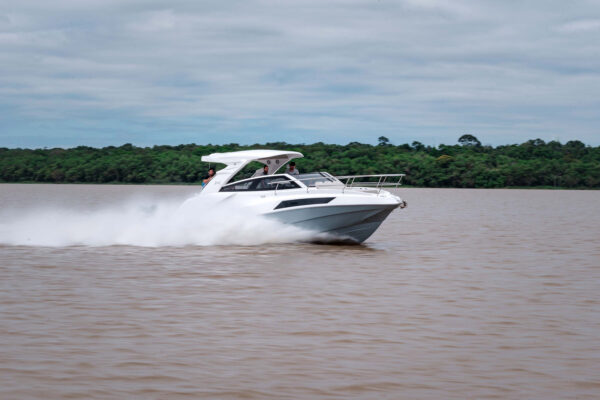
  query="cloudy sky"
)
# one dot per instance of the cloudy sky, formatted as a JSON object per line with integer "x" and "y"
{"x": 104, "y": 72}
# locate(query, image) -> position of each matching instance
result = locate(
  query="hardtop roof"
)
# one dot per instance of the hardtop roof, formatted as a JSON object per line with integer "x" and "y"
{"x": 251, "y": 155}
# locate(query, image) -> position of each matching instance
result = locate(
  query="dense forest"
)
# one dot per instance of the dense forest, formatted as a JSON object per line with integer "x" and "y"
{"x": 468, "y": 163}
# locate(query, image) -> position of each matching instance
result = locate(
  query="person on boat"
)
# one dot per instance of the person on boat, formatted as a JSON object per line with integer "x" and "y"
{"x": 211, "y": 174}
{"x": 292, "y": 170}
{"x": 261, "y": 171}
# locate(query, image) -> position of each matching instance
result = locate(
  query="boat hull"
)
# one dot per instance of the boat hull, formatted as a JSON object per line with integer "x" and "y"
{"x": 354, "y": 223}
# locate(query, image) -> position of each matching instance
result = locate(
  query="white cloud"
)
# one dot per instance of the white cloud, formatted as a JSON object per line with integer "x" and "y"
{"x": 154, "y": 21}
{"x": 583, "y": 25}
{"x": 338, "y": 71}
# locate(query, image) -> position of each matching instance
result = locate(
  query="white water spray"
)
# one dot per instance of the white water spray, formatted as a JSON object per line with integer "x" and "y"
{"x": 148, "y": 223}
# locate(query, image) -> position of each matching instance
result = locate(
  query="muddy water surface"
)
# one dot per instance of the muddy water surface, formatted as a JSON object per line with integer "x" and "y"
{"x": 464, "y": 294}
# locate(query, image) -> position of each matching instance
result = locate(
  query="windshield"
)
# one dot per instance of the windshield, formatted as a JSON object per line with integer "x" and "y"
{"x": 271, "y": 182}
{"x": 312, "y": 178}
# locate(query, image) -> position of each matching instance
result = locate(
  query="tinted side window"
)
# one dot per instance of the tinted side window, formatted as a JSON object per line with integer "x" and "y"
{"x": 238, "y": 187}
{"x": 278, "y": 182}
{"x": 264, "y": 183}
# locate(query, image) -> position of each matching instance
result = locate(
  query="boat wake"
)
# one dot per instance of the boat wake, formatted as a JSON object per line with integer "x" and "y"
{"x": 148, "y": 223}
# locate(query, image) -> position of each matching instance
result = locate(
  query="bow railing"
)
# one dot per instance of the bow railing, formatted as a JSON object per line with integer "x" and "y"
{"x": 376, "y": 181}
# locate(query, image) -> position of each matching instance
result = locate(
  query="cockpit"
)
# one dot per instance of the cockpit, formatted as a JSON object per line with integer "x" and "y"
{"x": 271, "y": 182}
{"x": 281, "y": 182}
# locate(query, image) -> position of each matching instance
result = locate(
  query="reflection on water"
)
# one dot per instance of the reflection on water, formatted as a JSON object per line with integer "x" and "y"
{"x": 464, "y": 294}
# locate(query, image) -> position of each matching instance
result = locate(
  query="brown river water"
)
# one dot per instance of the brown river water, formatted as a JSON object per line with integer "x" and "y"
{"x": 108, "y": 292}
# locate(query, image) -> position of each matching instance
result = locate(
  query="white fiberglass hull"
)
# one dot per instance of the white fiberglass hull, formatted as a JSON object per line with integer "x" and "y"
{"x": 315, "y": 201}
{"x": 354, "y": 223}
{"x": 332, "y": 214}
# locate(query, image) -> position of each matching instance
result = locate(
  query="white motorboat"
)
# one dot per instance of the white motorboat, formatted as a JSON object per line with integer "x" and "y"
{"x": 339, "y": 208}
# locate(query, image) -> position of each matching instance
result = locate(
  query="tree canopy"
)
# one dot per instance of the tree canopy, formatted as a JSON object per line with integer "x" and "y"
{"x": 383, "y": 141}
{"x": 534, "y": 163}
{"x": 469, "y": 140}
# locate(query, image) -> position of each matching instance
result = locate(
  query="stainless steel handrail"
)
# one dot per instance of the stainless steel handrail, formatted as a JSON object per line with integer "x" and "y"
{"x": 381, "y": 182}
{"x": 351, "y": 181}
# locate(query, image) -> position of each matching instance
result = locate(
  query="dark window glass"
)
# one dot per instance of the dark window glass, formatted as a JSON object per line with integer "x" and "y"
{"x": 237, "y": 187}
{"x": 262, "y": 183}
{"x": 303, "y": 202}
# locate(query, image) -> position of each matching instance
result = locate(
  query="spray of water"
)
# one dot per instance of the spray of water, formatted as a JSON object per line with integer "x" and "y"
{"x": 149, "y": 223}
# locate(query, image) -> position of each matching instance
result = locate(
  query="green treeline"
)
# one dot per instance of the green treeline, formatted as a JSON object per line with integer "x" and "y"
{"x": 466, "y": 164}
